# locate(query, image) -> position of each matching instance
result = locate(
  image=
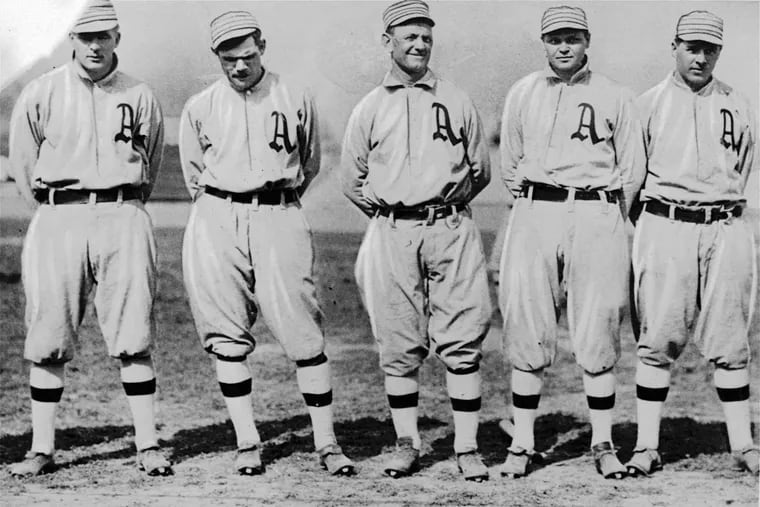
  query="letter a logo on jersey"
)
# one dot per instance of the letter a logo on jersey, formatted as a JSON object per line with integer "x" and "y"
{"x": 586, "y": 123}
{"x": 727, "y": 139}
{"x": 443, "y": 129}
{"x": 127, "y": 130}
{"x": 281, "y": 132}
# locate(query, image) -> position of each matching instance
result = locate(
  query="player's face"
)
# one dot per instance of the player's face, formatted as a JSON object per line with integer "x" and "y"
{"x": 94, "y": 51}
{"x": 565, "y": 50}
{"x": 695, "y": 61}
{"x": 410, "y": 46}
{"x": 242, "y": 63}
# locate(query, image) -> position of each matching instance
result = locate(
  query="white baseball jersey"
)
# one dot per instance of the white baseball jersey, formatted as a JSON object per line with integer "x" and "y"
{"x": 69, "y": 132}
{"x": 695, "y": 280}
{"x": 700, "y": 145}
{"x": 414, "y": 145}
{"x": 263, "y": 138}
{"x": 583, "y": 134}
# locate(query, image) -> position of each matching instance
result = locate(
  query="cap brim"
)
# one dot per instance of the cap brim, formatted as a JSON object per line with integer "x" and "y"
{"x": 95, "y": 26}
{"x": 692, "y": 37}
{"x": 564, "y": 25}
{"x": 232, "y": 34}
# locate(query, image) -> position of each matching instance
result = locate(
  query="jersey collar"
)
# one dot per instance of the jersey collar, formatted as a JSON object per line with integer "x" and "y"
{"x": 429, "y": 80}
{"x": 79, "y": 70}
{"x": 677, "y": 79}
{"x": 582, "y": 75}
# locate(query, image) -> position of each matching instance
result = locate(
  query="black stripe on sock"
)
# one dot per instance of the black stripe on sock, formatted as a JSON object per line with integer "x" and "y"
{"x": 601, "y": 402}
{"x": 527, "y": 402}
{"x": 140, "y": 388}
{"x": 314, "y": 361}
{"x": 652, "y": 393}
{"x": 226, "y": 359}
{"x": 460, "y": 405}
{"x": 236, "y": 390}
{"x": 410, "y": 400}
{"x": 733, "y": 393}
{"x": 318, "y": 400}
{"x": 46, "y": 395}
{"x": 464, "y": 371}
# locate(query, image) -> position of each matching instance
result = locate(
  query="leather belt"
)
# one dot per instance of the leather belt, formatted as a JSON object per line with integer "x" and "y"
{"x": 426, "y": 213}
{"x": 704, "y": 215}
{"x": 269, "y": 197}
{"x": 76, "y": 196}
{"x": 558, "y": 194}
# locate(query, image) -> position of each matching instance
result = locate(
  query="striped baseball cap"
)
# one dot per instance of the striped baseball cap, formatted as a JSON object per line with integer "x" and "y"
{"x": 563, "y": 16}
{"x": 230, "y": 25}
{"x": 98, "y": 16}
{"x": 700, "y": 25}
{"x": 406, "y": 10}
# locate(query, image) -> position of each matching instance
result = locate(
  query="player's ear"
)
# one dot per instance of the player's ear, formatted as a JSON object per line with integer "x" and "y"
{"x": 262, "y": 46}
{"x": 385, "y": 40}
{"x": 117, "y": 38}
{"x": 673, "y": 47}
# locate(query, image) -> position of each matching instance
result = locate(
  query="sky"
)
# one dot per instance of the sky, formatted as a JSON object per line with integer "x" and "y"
{"x": 334, "y": 47}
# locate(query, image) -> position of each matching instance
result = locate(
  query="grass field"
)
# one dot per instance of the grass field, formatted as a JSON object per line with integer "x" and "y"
{"x": 96, "y": 457}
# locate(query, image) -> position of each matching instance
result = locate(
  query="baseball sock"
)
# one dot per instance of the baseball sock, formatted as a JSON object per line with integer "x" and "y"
{"x": 46, "y": 386}
{"x": 464, "y": 390}
{"x": 526, "y": 393}
{"x": 139, "y": 381}
{"x": 403, "y": 398}
{"x": 652, "y": 385}
{"x": 314, "y": 382}
{"x": 600, "y": 396}
{"x": 733, "y": 391}
{"x": 236, "y": 384}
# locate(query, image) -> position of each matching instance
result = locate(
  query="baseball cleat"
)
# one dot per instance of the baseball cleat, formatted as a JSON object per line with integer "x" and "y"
{"x": 607, "y": 462}
{"x": 404, "y": 460}
{"x": 153, "y": 461}
{"x": 748, "y": 460}
{"x": 333, "y": 460}
{"x": 472, "y": 467}
{"x": 517, "y": 464}
{"x": 248, "y": 461}
{"x": 644, "y": 462}
{"x": 34, "y": 463}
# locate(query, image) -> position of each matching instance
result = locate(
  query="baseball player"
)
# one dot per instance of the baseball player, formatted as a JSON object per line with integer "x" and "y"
{"x": 414, "y": 155}
{"x": 249, "y": 148}
{"x": 85, "y": 148}
{"x": 693, "y": 255}
{"x": 572, "y": 155}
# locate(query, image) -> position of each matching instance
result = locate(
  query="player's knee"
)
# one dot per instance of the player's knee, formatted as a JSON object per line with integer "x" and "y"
{"x": 230, "y": 351}
{"x": 401, "y": 366}
{"x": 317, "y": 360}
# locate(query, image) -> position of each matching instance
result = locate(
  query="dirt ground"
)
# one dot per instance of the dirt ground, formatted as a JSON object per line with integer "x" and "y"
{"x": 95, "y": 454}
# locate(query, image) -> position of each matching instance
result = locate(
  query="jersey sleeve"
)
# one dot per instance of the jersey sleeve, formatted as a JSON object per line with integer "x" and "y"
{"x": 747, "y": 158}
{"x": 190, "y": 150}
{"x": 511, "y": 141}
{"x": 309, "y": 143}
{"x": 354, "y": 156}
{"x": 25, "y": 138}
{"x": 153, "y": 130}
{"x": 630, "y": 154}
{"x": 477, "y": 152}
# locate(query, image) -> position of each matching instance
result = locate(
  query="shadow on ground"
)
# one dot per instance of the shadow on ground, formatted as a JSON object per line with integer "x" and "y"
{"x": 564, "y": 437}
